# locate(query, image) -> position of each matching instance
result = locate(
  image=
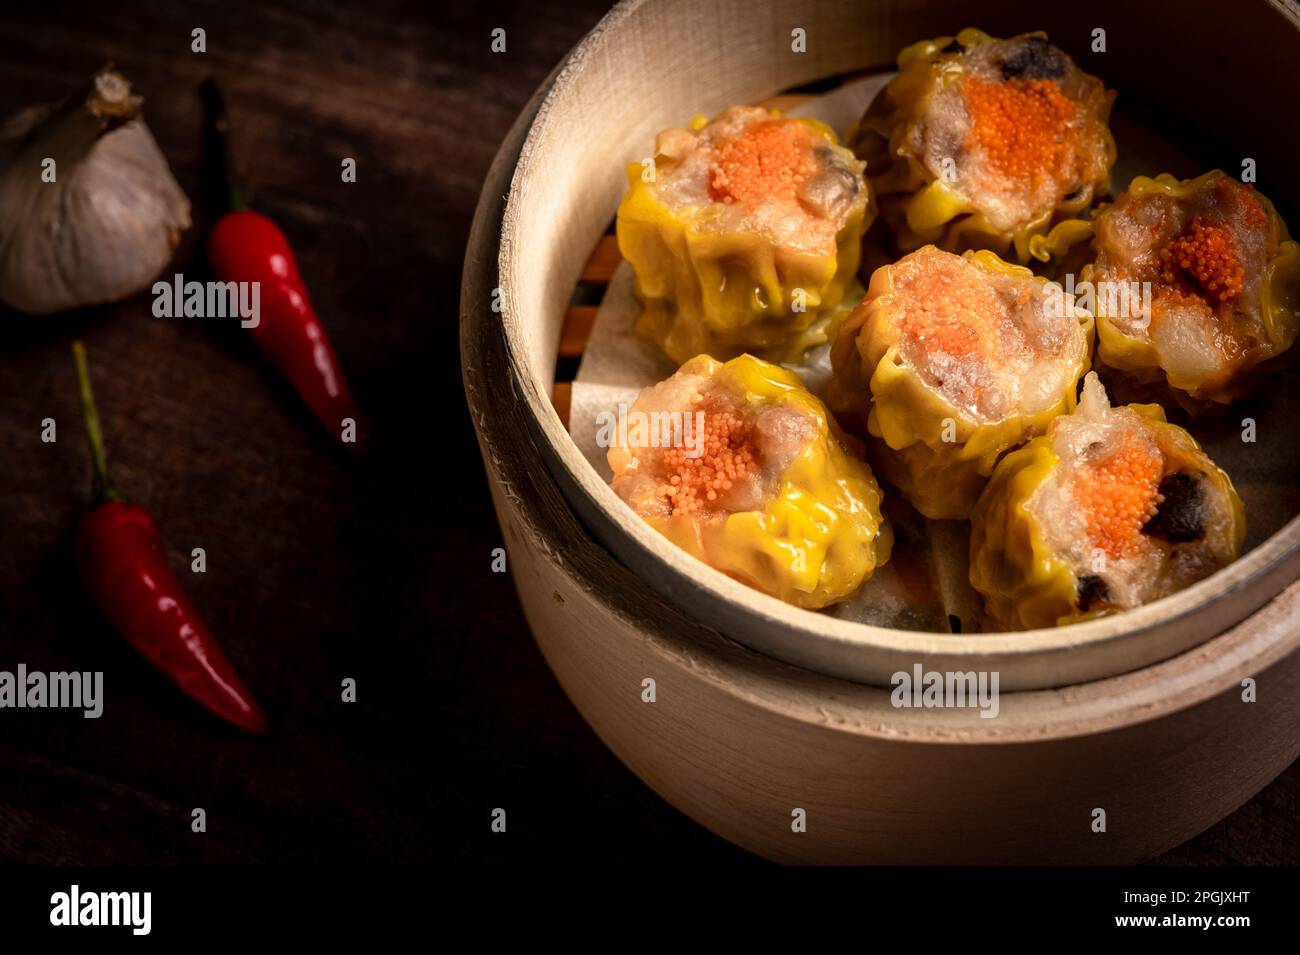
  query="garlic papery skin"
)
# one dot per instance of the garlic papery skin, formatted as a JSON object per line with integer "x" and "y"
{"x": 108, "y": 223}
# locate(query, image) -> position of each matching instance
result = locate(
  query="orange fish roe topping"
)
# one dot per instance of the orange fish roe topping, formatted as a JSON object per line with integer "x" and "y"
{"x": 766, "y": 160}
{"x": 1118, "y": 495}
{"x": 1207, "y": 253}
{"x": 729, "y": 455}
{"x": 1022, "y": 127}
{"x": 943, "y": 313}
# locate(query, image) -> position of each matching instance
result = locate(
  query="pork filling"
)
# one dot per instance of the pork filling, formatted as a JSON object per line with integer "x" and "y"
{"x": 1134, "y": 517}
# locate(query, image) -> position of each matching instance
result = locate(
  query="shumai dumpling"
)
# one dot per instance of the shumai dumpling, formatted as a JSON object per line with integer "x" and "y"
{"x": 740, "y": 466}
{"x": 949, "y": 362}
{"x": 743, "y": 234}
{"x": 1197, "y": 287}
{"x": 982, "y": 143}
{"x": 1111, "y": 509}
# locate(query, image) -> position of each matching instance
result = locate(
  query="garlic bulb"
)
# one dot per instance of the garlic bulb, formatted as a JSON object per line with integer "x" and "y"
{"x": 100, "y": 221}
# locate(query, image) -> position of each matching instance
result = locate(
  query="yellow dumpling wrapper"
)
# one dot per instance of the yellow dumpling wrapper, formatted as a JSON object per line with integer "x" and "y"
{"x": 808, "y": 529}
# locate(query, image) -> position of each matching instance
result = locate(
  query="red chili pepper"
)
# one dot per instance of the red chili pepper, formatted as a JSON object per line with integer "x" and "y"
{"x": 121, "y": 559}
{"x": 245, "y": 246}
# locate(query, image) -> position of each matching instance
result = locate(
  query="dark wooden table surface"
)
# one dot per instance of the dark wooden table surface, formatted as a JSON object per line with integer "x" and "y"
{"x": 320, "y": 568}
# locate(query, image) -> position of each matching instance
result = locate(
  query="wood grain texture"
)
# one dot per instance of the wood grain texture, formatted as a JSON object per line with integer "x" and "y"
{"x": 318, "y": 569}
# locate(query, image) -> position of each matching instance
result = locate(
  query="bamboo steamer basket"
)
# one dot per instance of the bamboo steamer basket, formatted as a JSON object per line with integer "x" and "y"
{"x": 761, "y": 709}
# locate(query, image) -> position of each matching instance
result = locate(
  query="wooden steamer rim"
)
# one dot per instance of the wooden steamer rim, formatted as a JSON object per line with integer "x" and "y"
{"x": 658, "y": 54}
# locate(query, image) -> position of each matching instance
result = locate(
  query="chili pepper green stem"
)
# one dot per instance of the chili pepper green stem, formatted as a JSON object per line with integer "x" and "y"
{"x": 214, "y": 107}
{"x": 103, "y": 488}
